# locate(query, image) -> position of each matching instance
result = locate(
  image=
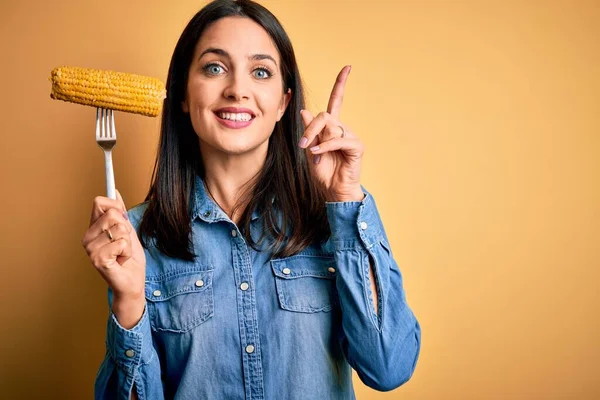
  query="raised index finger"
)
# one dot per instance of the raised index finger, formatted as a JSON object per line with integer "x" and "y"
{"x": 337, "y": 94}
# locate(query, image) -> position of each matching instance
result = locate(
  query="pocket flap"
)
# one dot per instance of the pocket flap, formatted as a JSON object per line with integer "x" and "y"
{"x": 164, "y": 287}
{"x": 303, "y": 265}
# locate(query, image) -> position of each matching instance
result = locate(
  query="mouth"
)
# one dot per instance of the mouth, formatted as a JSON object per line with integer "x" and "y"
{"x": 235, "y": 118}
{"x": 235, "y": 114}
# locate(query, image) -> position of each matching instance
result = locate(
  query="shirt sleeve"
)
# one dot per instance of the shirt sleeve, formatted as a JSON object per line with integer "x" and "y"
{"x": 130, "y": 359}
{"x": 382, "y": 347}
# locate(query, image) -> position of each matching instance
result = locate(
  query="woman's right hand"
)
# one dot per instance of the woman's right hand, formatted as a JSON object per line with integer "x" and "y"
{"x": 121, "y": 261}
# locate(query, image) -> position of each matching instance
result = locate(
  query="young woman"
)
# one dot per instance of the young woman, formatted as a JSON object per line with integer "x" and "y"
{"x": 265, "y": 271}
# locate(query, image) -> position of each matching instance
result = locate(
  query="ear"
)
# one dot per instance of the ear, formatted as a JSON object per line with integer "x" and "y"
{"x": 285, "y": 100}
{"x": 185, "y": 107}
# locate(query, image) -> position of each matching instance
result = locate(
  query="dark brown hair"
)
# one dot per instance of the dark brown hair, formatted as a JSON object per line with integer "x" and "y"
{"x": 285, "y": 176}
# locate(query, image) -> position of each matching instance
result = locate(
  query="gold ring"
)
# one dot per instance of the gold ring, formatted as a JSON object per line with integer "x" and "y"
{"x": 343, "y": 131}
{"x": 110, "y": 236}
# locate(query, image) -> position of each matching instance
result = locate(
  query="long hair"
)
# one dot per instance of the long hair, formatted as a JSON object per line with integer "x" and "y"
{"x": 298, "y": 203}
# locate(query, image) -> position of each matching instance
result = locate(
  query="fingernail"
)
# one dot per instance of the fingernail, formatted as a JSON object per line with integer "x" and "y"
{"x": 317, "y": 158}
{"x": 314, "y": 148}
{"x": 303, "y": 142}
{"x": 125, "y": 215}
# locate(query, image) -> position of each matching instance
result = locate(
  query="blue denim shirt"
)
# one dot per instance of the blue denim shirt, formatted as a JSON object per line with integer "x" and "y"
{"x": 236, "y": 324}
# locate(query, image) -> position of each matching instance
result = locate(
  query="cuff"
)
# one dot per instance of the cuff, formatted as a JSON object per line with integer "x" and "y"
{"x": 129, "y": 348}
{"x": 351, "y": 221}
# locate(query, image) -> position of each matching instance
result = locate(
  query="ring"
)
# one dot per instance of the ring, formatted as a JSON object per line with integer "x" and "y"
{"x": 110, "y": 236}
{"x": 343, "y": 131}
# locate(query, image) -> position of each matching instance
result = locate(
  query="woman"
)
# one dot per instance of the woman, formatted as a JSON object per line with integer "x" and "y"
{"x": 265, "y": 271}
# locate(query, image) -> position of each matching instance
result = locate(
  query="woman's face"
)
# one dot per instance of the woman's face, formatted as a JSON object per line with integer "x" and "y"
{"x": 235, "y": 91}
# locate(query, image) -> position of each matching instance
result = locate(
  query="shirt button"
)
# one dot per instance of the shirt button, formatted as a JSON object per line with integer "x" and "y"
{"x": 249, "y": 349}
{"x": 130, "y": 353}
{"x": 200, "y": 283}
{"x": 234, "y": 233}
{"x": 286, "y": 271}
{"x": 331, "y": 269}
{"x": 156, "y": 293}
{"x": 363, "y": 225}
{"x": 207, "y": 214}
{"x": 244, "y": 286}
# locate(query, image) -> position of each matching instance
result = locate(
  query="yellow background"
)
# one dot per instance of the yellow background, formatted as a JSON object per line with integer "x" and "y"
{"x": 481, "y": 125}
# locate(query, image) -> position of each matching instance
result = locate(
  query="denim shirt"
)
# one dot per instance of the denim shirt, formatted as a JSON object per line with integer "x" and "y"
{"x": 236, "y": 324}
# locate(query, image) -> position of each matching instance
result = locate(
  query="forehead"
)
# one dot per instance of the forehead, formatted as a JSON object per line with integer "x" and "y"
{"x": 239, "y": 36}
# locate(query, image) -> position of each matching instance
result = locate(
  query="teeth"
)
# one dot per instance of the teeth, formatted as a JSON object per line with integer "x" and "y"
{"x": 236, "y": 117}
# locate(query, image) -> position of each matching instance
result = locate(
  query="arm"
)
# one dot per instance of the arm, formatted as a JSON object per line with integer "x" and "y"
{"x": 373, "y": 289}
{"x": 131, "y": 365}
{"x": 380, "y": 335}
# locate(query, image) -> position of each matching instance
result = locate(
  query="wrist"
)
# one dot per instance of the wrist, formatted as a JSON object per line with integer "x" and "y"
{"x": 355, "y": 195}
{"x": 128, "y": 311}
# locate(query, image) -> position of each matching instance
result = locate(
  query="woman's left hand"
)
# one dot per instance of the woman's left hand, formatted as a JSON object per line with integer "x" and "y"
{"x": 336, "y": 151}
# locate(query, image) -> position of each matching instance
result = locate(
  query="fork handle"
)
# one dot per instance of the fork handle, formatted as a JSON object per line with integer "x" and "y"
{"x": 110, "y": 175}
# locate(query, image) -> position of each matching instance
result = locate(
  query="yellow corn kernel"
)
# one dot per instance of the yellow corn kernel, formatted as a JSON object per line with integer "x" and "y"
{"x": 108, "y": 89}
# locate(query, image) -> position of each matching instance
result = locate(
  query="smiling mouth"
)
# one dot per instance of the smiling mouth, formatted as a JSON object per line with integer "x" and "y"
{"x": 240, "y": 117}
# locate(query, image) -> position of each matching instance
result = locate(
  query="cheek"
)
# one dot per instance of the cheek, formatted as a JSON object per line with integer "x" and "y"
{"x": 201, "y": 93}
{"x": 271, "y": 103}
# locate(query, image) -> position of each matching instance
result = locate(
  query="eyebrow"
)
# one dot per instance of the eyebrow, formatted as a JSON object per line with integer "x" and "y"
{"x": 221, "y": 52}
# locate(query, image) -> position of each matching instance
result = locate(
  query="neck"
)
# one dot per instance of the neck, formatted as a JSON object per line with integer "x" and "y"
{"x": 226, "y": 176}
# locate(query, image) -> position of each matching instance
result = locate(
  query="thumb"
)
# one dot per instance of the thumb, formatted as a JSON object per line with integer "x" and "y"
{"x": 306, "y": 117}
{"x": 120, "y": 200}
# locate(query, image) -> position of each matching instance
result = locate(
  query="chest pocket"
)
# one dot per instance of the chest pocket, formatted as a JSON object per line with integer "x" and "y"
{"x": 179, "y": 301}
{"x": 305, "y": 283}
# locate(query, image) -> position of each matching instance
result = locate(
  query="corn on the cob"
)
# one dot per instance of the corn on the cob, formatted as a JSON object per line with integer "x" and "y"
{"x": 108, "y": 89}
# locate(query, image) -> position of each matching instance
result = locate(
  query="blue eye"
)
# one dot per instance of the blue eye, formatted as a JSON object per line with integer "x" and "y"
{"x": 262, "y": 73}
{"x": 213, "y": 69}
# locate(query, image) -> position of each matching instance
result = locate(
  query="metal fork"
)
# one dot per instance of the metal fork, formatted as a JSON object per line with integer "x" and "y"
{"x": 106, "y": 137}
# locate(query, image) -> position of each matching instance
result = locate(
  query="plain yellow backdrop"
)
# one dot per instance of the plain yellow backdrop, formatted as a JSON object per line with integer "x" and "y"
{"x": 482, "y": 132}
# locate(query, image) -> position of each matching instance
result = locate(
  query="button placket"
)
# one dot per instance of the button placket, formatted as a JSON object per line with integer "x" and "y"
{"x": 242, "y": 263}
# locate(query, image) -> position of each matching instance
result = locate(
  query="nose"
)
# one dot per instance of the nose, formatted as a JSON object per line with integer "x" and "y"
{"x": 238, "y": 87}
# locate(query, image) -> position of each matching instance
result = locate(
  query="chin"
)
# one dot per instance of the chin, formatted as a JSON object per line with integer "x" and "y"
{"x": 237, "y": 147}
{"x": 234, "y": 143}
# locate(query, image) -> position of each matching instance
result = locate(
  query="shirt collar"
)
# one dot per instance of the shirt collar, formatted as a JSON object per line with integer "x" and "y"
{"x": 206, "y": 209}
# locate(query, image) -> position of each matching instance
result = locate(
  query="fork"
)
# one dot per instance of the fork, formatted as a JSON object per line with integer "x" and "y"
{"x": 106, "y": 137}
